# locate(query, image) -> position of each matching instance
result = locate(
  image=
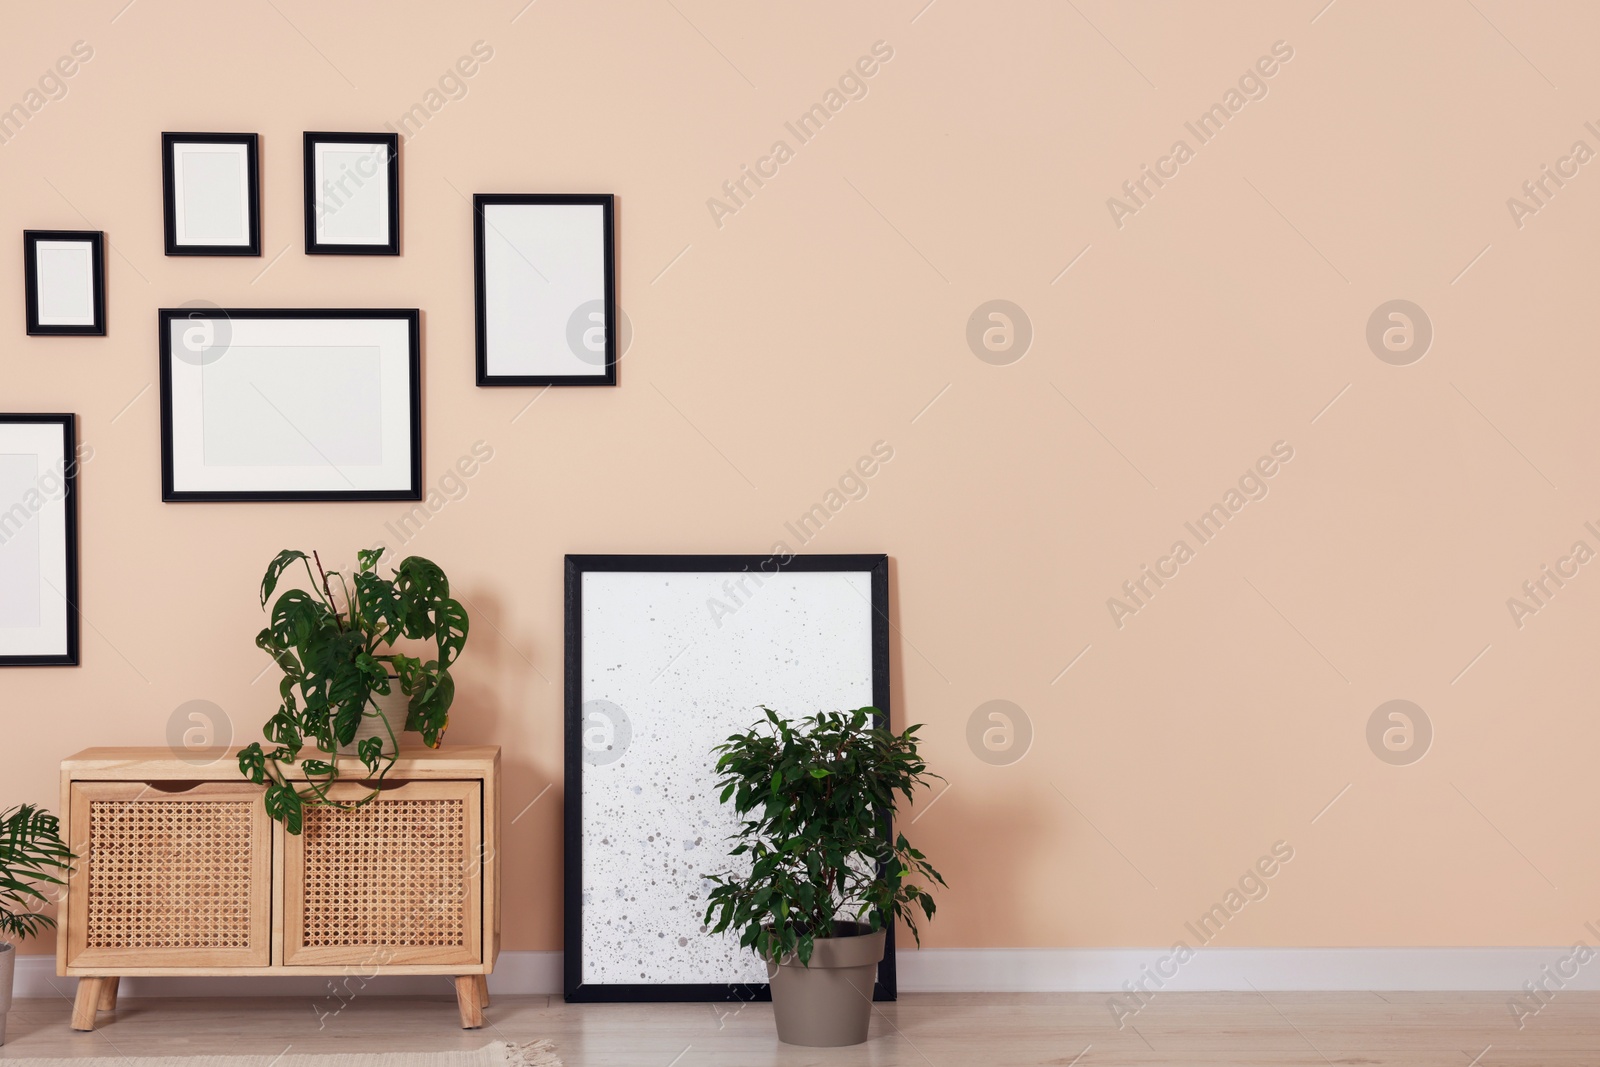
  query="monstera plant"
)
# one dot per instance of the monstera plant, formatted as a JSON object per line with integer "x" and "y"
{"x": 335, "y": 642}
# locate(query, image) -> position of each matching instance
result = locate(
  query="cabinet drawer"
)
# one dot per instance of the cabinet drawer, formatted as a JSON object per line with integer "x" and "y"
{"x": 169, "y": 875}
{"x": 397, "y": 881}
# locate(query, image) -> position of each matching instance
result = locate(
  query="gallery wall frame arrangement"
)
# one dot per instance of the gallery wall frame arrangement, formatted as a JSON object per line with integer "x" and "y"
{"x": 546, "y": 291}
{"x": 64, "y": 282}
{"x": 38, "y": 540}
{"x": 666, "y": 656}
{"x": 352, "y": 194}
{"x": 290, "y": 404}
{"x": 211, "y": 194}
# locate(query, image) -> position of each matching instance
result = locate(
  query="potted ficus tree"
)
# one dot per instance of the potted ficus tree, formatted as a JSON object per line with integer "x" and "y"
{"x": 824, "y": 882}
{"x": 335, "y": 641}
{"x": 31, "y": 854}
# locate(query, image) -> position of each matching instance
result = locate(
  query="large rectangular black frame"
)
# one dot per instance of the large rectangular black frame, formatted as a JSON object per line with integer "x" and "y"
{"x": 69, "y": 453}
{"x": 252, "y": 194}
{"x": 322, "y": 248}
{"x": 412, "y": 317}
{"x": 607, "y": 204}
{"x": 877, "y": 566}
{"x": 30, "y": 268}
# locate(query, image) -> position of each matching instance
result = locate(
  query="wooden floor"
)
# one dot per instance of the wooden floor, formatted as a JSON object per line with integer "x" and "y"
{"x": 926, "y": 1030}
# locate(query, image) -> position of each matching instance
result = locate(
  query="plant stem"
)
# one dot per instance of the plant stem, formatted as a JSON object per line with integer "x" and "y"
{"x": 328, "y": 590}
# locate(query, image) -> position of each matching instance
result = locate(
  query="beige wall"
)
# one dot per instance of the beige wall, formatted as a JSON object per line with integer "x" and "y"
{"x": 775, "y": 344}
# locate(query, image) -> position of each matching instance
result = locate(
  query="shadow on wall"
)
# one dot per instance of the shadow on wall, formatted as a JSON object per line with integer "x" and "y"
{"x": 973, "y": 820}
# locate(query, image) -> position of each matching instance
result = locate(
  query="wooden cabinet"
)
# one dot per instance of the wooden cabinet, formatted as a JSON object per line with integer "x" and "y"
{"x": 180, "y": 872}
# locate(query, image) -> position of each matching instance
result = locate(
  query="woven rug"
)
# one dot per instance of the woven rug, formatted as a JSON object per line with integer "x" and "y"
{"x": 499, "y": 1054}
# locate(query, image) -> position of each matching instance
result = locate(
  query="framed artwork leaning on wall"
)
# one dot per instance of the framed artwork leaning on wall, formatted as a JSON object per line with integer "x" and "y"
{"x": 666, "y": 656}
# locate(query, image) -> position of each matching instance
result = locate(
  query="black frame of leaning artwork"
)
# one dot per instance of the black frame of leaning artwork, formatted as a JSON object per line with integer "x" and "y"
{"x": 877, "y": 566}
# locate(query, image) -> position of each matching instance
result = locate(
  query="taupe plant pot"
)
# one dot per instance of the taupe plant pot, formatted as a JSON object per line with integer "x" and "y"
{"x": 8, "y": 970}
{"x": 830, "y": 1002}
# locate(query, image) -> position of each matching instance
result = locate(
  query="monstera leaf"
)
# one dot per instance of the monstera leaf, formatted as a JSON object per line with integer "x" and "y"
{"x": 334, "y": 641}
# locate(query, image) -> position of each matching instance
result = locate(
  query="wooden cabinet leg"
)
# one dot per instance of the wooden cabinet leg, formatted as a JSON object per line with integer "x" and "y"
{"x": 86, "y": 1003}
{"x": 483, "y": 990}
{"x": 466, "y": 1001}
{"x": 108, "y": 993}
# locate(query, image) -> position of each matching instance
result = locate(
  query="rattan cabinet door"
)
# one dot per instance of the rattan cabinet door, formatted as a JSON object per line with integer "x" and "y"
{"x": 169, "y": 875}
{"x": 393, "y": 883}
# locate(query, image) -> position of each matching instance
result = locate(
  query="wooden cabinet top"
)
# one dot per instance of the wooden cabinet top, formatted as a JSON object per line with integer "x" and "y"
{"x": 222, "y": 764}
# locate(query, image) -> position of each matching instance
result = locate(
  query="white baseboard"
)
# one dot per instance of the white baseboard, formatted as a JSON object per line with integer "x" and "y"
{"x": 988, "y": 970}
{"x": 1095, "y": 970}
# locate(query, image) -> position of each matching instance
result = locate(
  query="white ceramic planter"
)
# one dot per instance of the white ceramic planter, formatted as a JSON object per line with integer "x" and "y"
{"x": 393, "y": 708}
{"x": 8, "y": 971}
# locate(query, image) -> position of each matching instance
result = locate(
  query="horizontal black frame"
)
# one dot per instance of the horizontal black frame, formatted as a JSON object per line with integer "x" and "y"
{"x": 607, "y": 202}
{"x": 69, "y": 456}
{"x": 392, "y": 178}
{"x": 97, "y": 266}
{"x": 253, "y": 193}
{"x": 411, "y": 316}
{"x": 885, "y": 988}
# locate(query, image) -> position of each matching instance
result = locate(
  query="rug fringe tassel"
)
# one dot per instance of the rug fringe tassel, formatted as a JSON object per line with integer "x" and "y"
{"x": 532, "y": 1054}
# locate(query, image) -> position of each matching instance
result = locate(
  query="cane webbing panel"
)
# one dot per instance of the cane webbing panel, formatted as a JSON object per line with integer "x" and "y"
{"x": 393, "y": 872}
{"x": 169, "y": 874}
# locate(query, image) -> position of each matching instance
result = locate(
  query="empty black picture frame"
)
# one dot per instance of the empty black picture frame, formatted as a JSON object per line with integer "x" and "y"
{"x": 389, "y": 179}
{"x": 67, "y": 425}
{"x": 179, "y": 243}
{"x": 34, "y": 295}
{"x": 234, "y": 317}
{"x": 482, "y": 227}
{"x": 736, "y": 566}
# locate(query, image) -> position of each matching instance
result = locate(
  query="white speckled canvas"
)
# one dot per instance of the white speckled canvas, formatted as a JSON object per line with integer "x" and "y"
{"x": 672, "y": 664}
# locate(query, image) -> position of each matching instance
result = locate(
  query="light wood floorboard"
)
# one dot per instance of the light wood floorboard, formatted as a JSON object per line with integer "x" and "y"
{"x": 920, "y": 1030}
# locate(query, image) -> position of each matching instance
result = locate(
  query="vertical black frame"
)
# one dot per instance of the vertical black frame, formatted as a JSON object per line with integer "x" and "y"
{"x": 877, "y": 566}
{"x": 308, "y": 147}
{"x": 69, "y": 463}
{"x": 97, "y": 267}
{"x": 252, "y": 193}
{"x": 413, "y": 319}
{"x": 607, "y": 203}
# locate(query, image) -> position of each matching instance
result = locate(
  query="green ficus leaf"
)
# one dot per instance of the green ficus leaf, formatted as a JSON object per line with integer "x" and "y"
{"x": 816, "y": 795}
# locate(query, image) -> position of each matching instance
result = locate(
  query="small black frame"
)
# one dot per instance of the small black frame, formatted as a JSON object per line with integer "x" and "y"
{"x": 607, "y": 203}
{"x": 252, "y": 192}
{"x": 392, "y": 178}
{"x": 69, "y": 453}
{"x": 411, "y": 316}
{"x": 877, "y": 566}
{"x": 97, "y": 266}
